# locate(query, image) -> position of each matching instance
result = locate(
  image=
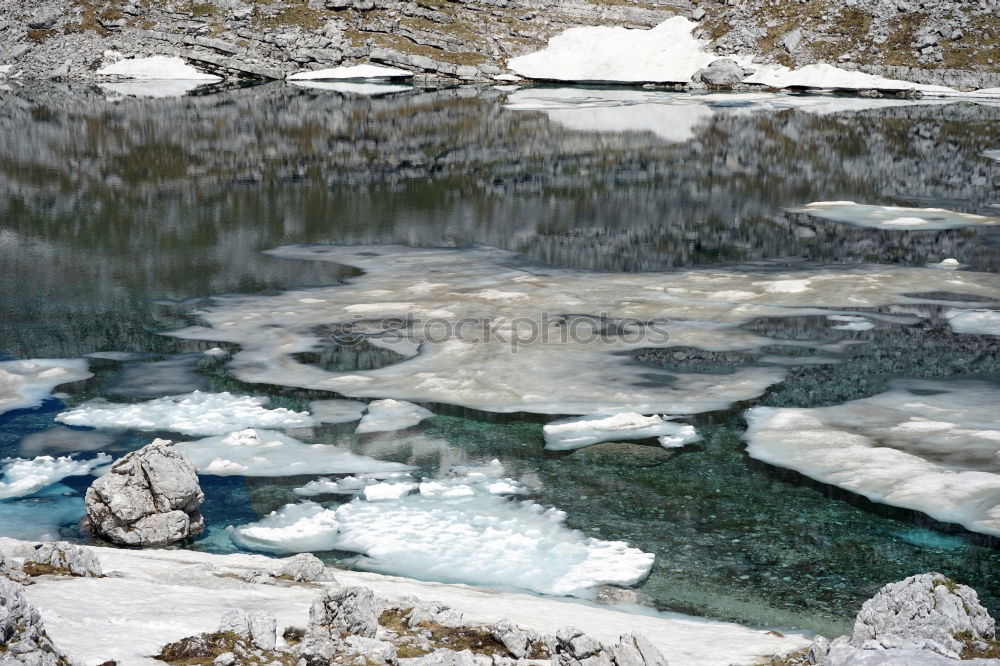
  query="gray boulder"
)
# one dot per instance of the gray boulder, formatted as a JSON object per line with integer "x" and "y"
{"x": 344, "y": 611}
{"x": 258, "y": 627}
{"x": 149, "y": 498}
{"x": 845, "y": 655}
{"x": 722, "y": 72}
{"x": 442, "y": 657}
{"x": 60, "y": 558}
{"x": 304, "y": 567}
{"x": 12, "y": 571}
{"x": 573, "y": 648}
{"x": 516, "y": 641}
{"x": 636, "y": 650}
{"x": 435, "y": 613}
{"x": 22, "y": 634}
{"x": 44, "y": 17}
{"x": 922, "y": 612}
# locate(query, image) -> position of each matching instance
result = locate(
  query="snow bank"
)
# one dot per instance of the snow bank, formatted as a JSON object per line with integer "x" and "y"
{"x": 337, "y": 411}
{"x": 824, "y": 76}
{"x": 196, "y": 413}
{"x": 976, "y": 322}
{"x": 156, "y": 67}
{"x": 253, "y": 452}
{"x": 385, "y": 415}
{"x": 577, "y": 433}
{"x": 923, "y": 445}
{"x": 893, "y": 217}
{"x": 26, "y": 384}
{"x": 457, "y": 529}
{"x": 356, "y": 72}
{"x": 23, "y": 477}
{"x": 80, "y": 613}
{"x": 537, "y": 357}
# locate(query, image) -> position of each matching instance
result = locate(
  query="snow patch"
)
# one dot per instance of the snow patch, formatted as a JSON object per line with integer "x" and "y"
{"x": 828, "y": 77}
{"x": 253, "y": 452}
{"x": 156, "y": 67}
{"x": 28, "y": 383}
{"x": 923, "y": 445}
{"x": 577, "y": 433}
{"x": 385, "y": 415}
{"x": 195, "y": 413}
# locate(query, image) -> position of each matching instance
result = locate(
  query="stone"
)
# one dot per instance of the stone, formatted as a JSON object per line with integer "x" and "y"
{"x": 516, "y": 641}
{"x": 44, "y": 18}
{"x": 304, "y": 567}
{"x": 12, "y": 570}
{"x": 435, "y": 613}
{"x": 575, "y": 648}
{"x": 698, "y": 14}
{"x": 150, "y": 497}
{"x": 259, "y": 627}
{"x": 225, "y": 659}
{"x": 442, "y": 657}
{"x": 792, "y": 40}
{"x": 344, "y": 610}
{"x": 924, "y": 612}
{"x": 61, "y": 557}
{"x": 818, "y": 651}
{"x": 379, "y": 651}
{"x": 845, "y": 655}
{"x": 22, "y": 633}
{"x": 637, "y": 650}
{"x": 722, "y": 72}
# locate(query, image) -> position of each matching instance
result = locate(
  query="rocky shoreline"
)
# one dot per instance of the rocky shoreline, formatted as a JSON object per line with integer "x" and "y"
{"x": 934, "y": 42}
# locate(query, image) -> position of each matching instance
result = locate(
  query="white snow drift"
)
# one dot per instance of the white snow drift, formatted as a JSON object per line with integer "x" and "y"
{"x": 157, "y": 67}
{"x": 894, "y": 217}
{"x": 26, "y": 384}
{"x": 23, "y": 476}
{"x": 195, "y": 413}
{"x": 457, "y": 529}
{"x": 576, "y": 433}
{"x": 386, "y": 415}
{"x": 559, "y": 340}
{"x": 253, "y": 452}
{"x": 923, "y": 445}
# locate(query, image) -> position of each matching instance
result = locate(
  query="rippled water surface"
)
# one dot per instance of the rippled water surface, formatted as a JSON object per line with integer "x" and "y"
{"x": 120, "y": 218}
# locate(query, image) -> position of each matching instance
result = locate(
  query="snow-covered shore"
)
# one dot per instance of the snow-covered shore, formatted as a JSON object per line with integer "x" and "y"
{"x": 151, "y": 597}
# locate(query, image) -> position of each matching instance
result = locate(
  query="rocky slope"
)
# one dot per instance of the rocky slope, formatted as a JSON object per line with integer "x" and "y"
{"x": 940, "y": 41}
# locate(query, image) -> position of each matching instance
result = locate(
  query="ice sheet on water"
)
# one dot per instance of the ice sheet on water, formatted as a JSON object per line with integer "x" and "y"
{"x": 387, "y": 415}
{"x": 931, "y": 446}
{"x": 454, "y": 529}
{"x": 27, "y": 383}
{"x": 349, "y": 485}
{"x": 364, "y": 72}
{"x": 353, "y": 88}
{"x": 894, "y": 217}
{"x": 337, "y": 411}
{"x": 576, "y": 433}
{"x": 59, "y": 440}
{"x": 253, "y": 452}
{"x": 977, "y": 322}
{"x": 155, "y": 379}
{"x": 851, "y": 323}
{"x": 556, "y": 339}
{"x": 195, "y": 413}
{"x": 22, "y": 476}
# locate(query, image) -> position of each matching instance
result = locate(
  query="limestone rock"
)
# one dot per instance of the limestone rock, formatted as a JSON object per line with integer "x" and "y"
{"x": 637, "y": 650}
{"x": 722, "y": 72}
{"x": 259, "y": 627}
{"x": 573, "y": 648}
{"x": 149, "y": 498}
{"x": 344, "y": 610}
{"x": 436, "y": 613}
{"x": 304, "y": 567}
{"x": 846, "y": 655}
{"x": 923, "y": 612}
{"x": 516, "y": 641}
{"x": 60, "y": 558}
{"x": 442, "y": 657}
{"x": 12, "y": 570}
{"x": 22, "y": 634}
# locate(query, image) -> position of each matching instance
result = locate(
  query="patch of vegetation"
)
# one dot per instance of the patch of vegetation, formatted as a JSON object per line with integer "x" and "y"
{"x": 40, "y": 569}
{"x": 794, "y": 659}
{"x": 947, "y": 582}
{"x": 201, "y": 650}
{"x": 477, "y": 640}
{"x": 977, "y": 648}
{"x": 40, "y": 35}
{"x": 299, "y": 15}
{"x": 198, "y": 9}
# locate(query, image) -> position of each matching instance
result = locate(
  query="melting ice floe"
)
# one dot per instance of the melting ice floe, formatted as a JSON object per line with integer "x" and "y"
{"x": 576, "y": 433}
{"x": 337, "y": 411}
{"x": 348, "y": 485}
{"x": 851, "y": 323}
{"x": 459, "y": 529}
{"x": 386, "y": 415}
{"x": 23, "y": 477}
{"x": 559, "y": 340}
{"x": 26, "y": 384}
{"x": 157, "y": 67}
{"x": 39, "y": 517}
{"x": 266, "y": 453}
{"x": 929, "y": 446}
{"x": 196, "y": 413}
{"x": 894, "y": 217}
{"x": 355, "y": 72}
{"x": 372, "y": 89}
{"x": 976, "y": 322}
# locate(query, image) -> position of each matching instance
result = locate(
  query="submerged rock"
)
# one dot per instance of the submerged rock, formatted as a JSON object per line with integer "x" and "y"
{"x": 59, "y": 558}
{"x": 149, "y": 498}
{"x": 22, "y": 636}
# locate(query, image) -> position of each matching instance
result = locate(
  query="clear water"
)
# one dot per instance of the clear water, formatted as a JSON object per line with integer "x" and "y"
{"x": 118, "y": 218}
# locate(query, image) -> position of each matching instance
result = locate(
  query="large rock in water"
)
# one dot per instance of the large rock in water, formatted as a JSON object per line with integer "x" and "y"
{"x": 22, "y": 636}
{"x": 149, "y": 498}
{"x": 922, "y": 612}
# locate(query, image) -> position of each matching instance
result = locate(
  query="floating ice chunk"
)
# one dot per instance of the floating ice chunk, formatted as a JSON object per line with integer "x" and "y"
{"x": 348, "y": 485}
{"x": 196, "y": 413}
{"x": 554, "y": 366}
{"x": 387, "y": 491}
{"x": 454, "y": 530}
{"x": 156, "y": 67}
{"x": 976, "y": 322}
{"x": 894, "y": 217}
{"x": 667, "y": 53}
{"x": 923, "y": 445}
{"x": 992, "y": 154}
{"x": 851, "y": 323}
{"x": 356, "y": 72}
{"x": 23, "y": 477}
{"x": 385, "y": 415}
{"x": 26, "y": 384}
{"x": 153, "y": 89}
{"x": 253, "y": 452}
{"x": 337, "y": 411}
{"x": 351, "y": 88}
{"x": 948, "y": 264}
{"x": 824, "y": 76}
{"x": 576, "y": 433}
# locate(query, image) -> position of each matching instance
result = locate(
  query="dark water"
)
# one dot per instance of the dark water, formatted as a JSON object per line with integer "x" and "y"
{"x": 118, "y": 218}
